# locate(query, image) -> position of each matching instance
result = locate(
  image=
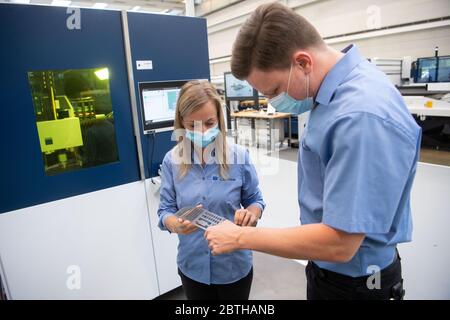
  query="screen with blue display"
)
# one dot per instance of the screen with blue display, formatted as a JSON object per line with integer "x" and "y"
{"x": 158, "y": 103}
{"x": 237, "y": 89}
{"x": 426, "y": 70}
{"x": 444, "y": 69}
{"x": 435, "y": 69}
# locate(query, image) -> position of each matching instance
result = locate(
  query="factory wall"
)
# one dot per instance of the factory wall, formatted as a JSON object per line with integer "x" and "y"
{"x": 416, "y": 27}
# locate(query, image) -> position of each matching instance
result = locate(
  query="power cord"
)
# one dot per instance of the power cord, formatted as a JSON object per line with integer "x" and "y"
{"x": 2, "y": 291}
{"x": 152, "y": 136}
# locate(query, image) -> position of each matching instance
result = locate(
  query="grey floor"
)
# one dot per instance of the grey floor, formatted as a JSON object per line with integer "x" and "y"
{"x": 277, "y": 278}
{"x": 290, "y": 154}
{"x": 274, "y": 278}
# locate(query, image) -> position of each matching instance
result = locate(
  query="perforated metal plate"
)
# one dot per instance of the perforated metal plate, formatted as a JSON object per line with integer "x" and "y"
{"x": 199, "y": 216}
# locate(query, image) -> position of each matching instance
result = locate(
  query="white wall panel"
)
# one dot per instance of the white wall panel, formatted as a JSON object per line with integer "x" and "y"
{"x": 105, "y": 233}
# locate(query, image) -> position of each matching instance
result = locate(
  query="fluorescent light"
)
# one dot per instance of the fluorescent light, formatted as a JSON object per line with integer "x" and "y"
{"x": 61, "y": 3}
{"x": 135, "y": 8}
{"x": 100, "y": 5}
{"x": 21, "y": 1}
{"x": 102, "y": 74}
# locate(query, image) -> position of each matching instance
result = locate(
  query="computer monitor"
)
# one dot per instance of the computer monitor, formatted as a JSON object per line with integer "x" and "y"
{"x": 158, "y": 103}
{"x": 426, "y": 70}
{"x": 237, "y": 89}
{"x": 444, "y": 69}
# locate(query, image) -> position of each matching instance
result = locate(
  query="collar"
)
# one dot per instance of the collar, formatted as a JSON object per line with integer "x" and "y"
{"x": 338, "y": 73}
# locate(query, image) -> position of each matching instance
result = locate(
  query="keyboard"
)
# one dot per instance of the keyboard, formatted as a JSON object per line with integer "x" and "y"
{"x": 201, "y": 217}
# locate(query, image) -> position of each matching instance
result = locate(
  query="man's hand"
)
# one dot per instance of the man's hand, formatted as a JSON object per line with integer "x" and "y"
{"x": 247, "y": 217}
{"x": 180, "y": 226}
{"x": 223, "y": 238}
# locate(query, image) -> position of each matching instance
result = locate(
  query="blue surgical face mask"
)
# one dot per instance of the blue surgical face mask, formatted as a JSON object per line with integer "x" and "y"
{"x": 203, "y": 139}
{"x": 285, "y": 103}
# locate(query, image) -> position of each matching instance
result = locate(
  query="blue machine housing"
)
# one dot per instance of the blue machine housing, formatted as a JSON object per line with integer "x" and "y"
{"x": 36, "y": 38}
{"x": 178, "y": 48}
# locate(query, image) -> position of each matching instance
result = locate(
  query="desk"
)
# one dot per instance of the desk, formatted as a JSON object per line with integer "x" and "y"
{"x": 416, "y": 105}
{"x": 270, "y": 120}
{"x": 434, "y": 121}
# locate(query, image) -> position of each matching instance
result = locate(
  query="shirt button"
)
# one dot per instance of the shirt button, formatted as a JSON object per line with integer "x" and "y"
{"x": 204, "y": 198}
{"x": 203, "y": 178}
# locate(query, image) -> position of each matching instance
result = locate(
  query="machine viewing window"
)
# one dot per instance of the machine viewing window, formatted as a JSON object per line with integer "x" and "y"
{"x": 237, "y": 89}
{"x": 74, "y": 118}
{"x": 158, "y": 103}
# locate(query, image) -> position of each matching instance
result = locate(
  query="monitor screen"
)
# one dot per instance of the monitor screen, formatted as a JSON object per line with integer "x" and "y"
{"x": 426, "y": 70}
{"x": 158, "y": 103}
{"x": 444, "y": 69}
{"x": 237, "y": 89}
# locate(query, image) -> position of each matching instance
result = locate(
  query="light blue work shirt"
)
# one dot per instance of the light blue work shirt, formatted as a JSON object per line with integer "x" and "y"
{"x": 357, "y": 162}
{"x": 204, "y": 185}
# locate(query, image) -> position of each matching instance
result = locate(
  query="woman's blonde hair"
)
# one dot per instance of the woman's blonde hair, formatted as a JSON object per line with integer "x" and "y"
{"x": 194, "y": 95}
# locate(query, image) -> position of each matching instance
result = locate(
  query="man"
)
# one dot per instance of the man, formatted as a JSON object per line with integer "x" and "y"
{"x": 357, "y": 159}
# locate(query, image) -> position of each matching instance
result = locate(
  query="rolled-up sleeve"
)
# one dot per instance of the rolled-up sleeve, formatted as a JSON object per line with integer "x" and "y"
{"x": 167, "y": 199}
{"x": 369, "y": 163}
{"x": 250, "y": 194}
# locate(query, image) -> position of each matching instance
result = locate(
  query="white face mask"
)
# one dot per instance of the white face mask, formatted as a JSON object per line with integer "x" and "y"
{"x": 285, "y": 103}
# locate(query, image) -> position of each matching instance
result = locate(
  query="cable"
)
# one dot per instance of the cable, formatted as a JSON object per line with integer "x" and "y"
{"x": 150, "y": 158}
{"x": 2, "y": 291}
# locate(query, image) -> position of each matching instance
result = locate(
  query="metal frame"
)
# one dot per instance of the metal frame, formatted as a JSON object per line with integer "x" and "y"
{"x": 132, "y": 91}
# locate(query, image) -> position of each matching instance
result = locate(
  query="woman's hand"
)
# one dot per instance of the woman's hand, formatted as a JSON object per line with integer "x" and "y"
{"x": 247, "y": 217}
{"x": 180, "y": 226}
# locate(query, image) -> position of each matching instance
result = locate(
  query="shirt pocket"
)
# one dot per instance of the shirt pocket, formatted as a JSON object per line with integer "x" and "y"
{"x": 312, "y": 172}
{"x": 188, "y": 192}
{"x": 311, "y": 161}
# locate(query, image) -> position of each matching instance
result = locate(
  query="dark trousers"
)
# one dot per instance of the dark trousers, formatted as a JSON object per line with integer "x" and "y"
{"x": 327, "y": 285}
{"x": 239, "y": 290}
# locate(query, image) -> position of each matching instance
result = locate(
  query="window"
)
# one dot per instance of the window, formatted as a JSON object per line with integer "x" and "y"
{"x": 74, "y": 118}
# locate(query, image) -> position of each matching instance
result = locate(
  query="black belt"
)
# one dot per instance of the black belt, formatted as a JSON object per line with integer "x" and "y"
{"x": 397, "y": 289}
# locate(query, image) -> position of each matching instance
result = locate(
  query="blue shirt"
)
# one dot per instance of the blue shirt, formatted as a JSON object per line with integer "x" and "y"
{"x": 203, "y": 184}
{"x": 357, "y": 162}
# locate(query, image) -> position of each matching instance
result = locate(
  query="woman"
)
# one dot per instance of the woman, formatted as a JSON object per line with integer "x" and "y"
{"x": 202, "y": 169}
